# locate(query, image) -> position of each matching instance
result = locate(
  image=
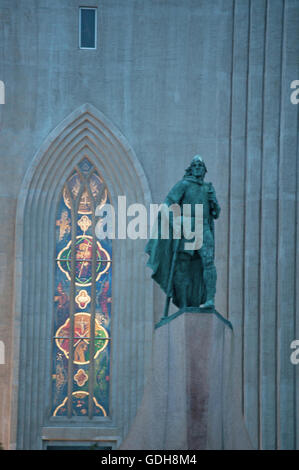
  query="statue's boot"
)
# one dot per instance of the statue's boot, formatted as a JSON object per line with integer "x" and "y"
{"x": 181, "y": 288}
{"x": 182, "y": 279}
{"x": 210, "y": 278}
{"x": 208, "y": 304}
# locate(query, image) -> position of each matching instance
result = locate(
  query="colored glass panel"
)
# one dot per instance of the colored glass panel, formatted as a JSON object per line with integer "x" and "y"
{"x": 82, "y": 300}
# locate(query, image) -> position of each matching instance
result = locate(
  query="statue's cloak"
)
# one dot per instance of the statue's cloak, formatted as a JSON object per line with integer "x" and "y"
{"x": 161, "y": 254}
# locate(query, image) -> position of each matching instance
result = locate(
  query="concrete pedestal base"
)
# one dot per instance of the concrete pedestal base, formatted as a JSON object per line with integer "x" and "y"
{"x": 186, "y": 404}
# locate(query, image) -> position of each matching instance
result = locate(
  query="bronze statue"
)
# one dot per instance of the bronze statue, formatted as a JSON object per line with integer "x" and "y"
{"x": 188, "y": 276}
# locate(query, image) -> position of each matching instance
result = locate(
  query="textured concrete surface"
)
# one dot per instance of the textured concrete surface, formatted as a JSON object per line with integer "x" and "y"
{"x": 189, "y": 400}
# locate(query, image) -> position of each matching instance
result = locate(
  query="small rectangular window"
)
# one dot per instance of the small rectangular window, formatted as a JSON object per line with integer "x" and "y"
{"x": 87, "y": 28}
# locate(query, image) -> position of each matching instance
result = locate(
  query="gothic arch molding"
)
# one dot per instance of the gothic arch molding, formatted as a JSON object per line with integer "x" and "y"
{"x": 85, "y": 132}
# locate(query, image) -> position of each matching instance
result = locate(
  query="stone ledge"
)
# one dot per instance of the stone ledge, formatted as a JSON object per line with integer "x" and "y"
{"x": 165, "y": 320}
{"x": 80, "y": 433}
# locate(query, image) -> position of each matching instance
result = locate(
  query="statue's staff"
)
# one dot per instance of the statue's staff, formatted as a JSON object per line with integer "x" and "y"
{"x": 171, "y": 274}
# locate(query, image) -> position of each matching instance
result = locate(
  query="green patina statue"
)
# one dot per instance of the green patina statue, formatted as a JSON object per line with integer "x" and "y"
{"x": 188, "y": 276}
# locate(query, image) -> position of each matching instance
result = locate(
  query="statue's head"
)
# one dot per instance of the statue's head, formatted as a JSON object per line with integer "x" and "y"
{"x": 197, "y": 168}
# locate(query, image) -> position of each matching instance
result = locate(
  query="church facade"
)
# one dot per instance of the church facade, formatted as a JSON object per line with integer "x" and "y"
{"x": 114, "y": 98}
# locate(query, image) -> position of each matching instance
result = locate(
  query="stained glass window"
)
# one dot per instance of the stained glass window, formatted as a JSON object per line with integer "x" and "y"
{"x": 82, "y": 300}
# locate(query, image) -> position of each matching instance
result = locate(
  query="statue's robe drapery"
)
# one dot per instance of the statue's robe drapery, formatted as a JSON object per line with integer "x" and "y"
{"x": 161, "y": 251}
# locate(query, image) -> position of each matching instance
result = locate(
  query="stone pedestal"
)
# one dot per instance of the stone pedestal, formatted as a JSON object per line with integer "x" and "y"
{"x": 185, "y": 400}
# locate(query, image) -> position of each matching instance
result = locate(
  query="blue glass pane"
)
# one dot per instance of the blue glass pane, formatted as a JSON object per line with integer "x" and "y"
{"x": 85, "y": 165}
{"x": 87, "y": 28}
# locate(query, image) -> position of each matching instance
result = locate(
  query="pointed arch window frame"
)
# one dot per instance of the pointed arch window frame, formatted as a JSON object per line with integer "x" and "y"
{"x": 84, "y": 131}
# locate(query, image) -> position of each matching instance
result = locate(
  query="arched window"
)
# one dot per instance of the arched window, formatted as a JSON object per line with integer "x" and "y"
{"x": 82, "y": 327}
{"x": 82, "y": 301}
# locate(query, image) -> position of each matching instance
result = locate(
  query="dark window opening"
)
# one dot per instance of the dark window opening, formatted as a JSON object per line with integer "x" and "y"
{"x": 87, "y": 28}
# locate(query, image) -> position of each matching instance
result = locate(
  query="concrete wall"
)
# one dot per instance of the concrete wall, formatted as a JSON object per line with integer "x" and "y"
{"x": 178, "y": 78}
